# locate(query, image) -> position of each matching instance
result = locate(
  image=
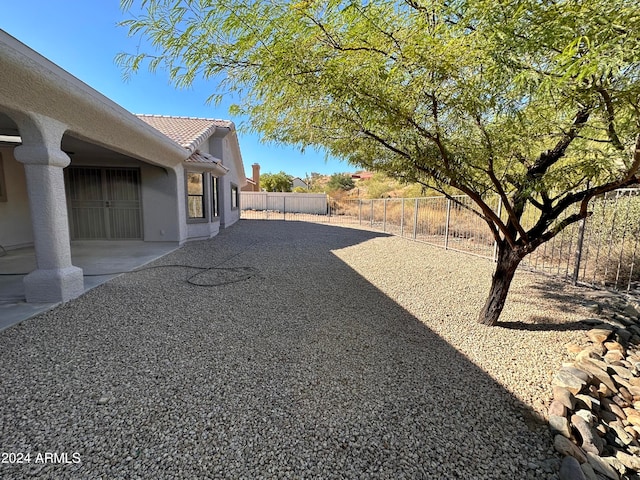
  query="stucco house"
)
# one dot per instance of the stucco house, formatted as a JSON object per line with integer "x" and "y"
{"x": 74, "y": 165}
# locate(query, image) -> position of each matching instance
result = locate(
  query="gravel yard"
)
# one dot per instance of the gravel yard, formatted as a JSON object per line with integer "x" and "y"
{"x": 307, "y": 351}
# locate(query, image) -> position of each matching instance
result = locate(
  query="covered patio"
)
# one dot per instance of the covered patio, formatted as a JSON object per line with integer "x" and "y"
{"x": 100, "y": 261}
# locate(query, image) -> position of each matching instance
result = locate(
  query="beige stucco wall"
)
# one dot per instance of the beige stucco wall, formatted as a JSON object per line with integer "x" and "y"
{"x": 15, "y": 219}
{"x": 222, "y": 147}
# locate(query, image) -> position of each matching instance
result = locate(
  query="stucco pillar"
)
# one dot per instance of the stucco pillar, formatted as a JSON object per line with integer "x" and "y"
{"x": 55, "y": 278}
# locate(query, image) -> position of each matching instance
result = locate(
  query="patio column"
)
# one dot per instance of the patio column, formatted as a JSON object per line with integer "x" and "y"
{"x": 55, "y": 278}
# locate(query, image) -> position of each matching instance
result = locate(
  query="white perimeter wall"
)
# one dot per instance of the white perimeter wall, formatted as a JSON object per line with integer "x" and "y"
{"x": 315, "y": 203}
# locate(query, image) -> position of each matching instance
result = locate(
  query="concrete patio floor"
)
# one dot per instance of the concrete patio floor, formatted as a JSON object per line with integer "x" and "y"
{"x": 100, "y": 261}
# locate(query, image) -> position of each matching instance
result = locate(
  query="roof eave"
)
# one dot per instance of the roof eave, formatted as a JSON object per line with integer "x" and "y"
{"x": 31, "y": 83}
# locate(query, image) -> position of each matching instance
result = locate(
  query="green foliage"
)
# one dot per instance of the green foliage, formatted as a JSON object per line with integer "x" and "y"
{"x": 340, "y": 181}
{"x": 276, "y": 182}
{"x": 379, "y": 185}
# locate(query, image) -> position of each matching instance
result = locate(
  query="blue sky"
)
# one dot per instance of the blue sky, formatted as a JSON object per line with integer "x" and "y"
{"x": 82, "y": 37}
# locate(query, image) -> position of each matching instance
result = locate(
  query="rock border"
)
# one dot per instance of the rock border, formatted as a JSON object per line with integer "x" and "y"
{"x": 595, "y": 411}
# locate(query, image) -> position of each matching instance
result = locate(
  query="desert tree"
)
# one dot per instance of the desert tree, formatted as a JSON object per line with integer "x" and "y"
{"x": 536, "y": 102}
{"x": 276, "y": 182}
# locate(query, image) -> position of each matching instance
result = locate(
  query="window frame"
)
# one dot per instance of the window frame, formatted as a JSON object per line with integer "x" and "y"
{"x": 203, "y": 197}
{"x": 235, "y": 197}
{"x": 215, "y": 198}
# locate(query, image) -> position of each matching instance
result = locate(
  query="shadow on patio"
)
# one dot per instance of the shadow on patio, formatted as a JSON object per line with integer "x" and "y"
{"x": 289, "y": 365}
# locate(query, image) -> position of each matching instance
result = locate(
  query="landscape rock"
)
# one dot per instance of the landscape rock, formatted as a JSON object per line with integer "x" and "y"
{"x": 613, "y": 356}
{"x": 557, "y": 408}
{"x": 599, "y": 335}
{"x": 567, "y": 380}
{"x": 633, "y": 416}
{"x": 631, "y": 311}
{"x": 614, "y": 346}
{"x": 587, "y": 416}
{"x": 564, "y": 396}
{"x": 630, "y": 461}
{"x": 601, "y": 465}
{"x": 588, "y": 471}
{"x": 591, "y": 442}
{"x": 624, "y": 436}
{"x": 566, "y": 447}
{"x": 577, "y": 372}
{"x": 560, "y": 425}
{"x": 570, "y": 470}
{"x": 599, "y": 373}
{"x": 604, "y": 411}
{"x": 588, "y": 401}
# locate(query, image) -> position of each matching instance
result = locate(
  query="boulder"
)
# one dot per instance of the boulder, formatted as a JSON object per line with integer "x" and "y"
{"x": 557, "y": 408}
{"x": 565, "y": 379}
{"x": 565, "y": 446}
{"x": 600, "y": 465}
{"x": 614, "y": 346}
{"x": 564, "y": 396}
{"x": 588, "y": 471}
{"x": 599, "y": 335}
{"x": 570, "y": 470}
{"x": 591, "y": 441}
{"x": 631, "y": 311}
{"x": 599, "y": 373}
{"x": 560, "y": 425}
{"x": 588, "y": 401}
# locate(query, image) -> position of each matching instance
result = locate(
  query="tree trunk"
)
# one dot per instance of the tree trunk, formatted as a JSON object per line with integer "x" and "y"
{"x": 508, "y": 261}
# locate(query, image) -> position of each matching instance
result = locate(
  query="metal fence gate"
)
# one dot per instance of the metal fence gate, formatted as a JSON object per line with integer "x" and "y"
{"x": 104, "y": 203}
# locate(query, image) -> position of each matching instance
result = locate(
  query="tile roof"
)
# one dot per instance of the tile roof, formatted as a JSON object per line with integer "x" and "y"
{"x": 189, "y": 132}
{"x": 206, "y": 159}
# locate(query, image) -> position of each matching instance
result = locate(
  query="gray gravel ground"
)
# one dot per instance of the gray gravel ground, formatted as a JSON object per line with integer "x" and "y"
{"x": 314, "y": 352}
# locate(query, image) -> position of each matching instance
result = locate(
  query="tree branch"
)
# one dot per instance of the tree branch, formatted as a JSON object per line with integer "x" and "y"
{"x": 611, "y": 129}
{"x": 550, "y": 157}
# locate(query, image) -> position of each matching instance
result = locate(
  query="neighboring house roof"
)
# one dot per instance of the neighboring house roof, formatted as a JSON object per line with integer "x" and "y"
{"x": 362, "y": 175}
{"x": 298, "y": 182}
{"x": 190, "y": 132}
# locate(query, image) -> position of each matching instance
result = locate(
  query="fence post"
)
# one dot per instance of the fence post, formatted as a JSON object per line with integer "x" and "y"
{"x": 384, "y": 215}
{"x": 578, "y": 259}
{"x": 446, "y": 227}
{"x": 415, "y": 219}
{"x": 266, "y": 203}
{"x": 495, "y": 242}
{"x": 359, "y": 211}
{"x": 402, "y": 218}
{"x": 371, "y": 217}
{"x": 284, "y": 208}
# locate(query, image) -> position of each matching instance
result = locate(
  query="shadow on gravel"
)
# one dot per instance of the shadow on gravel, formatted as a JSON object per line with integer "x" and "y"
{"x": 545, "y": 324}
{"x": 562, "y": 293}
{"x": 302, "y": 370}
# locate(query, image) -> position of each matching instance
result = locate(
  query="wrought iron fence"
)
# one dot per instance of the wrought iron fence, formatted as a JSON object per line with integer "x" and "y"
{"x": 602, "y": 250}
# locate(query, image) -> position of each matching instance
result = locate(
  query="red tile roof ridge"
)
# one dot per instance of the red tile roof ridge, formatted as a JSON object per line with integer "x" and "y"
{"x": 184, "y": 117}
